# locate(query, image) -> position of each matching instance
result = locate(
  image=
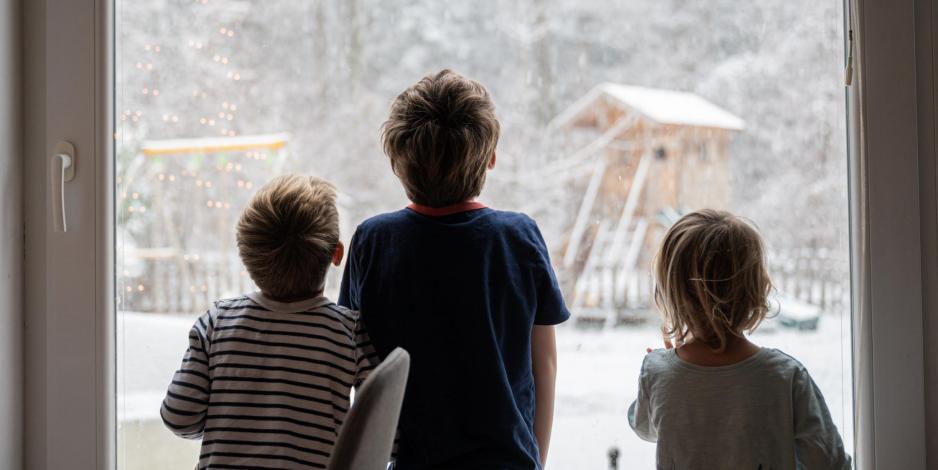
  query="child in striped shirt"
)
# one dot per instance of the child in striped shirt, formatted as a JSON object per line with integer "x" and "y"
{"x": 266, "y": 379}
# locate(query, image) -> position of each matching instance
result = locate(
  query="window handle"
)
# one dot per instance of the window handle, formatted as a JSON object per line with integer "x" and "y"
{"x": 61, "y": 170}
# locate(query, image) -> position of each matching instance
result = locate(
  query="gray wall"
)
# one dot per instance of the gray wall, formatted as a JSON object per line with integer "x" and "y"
{"x": 926, "y": 58}
{"x": 11, "y": 241}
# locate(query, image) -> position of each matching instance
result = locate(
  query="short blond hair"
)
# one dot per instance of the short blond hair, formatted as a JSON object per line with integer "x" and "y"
{"x": 439, "y": 137}
{"x": 287, "y": 236}
{"x": 711, "y": 278}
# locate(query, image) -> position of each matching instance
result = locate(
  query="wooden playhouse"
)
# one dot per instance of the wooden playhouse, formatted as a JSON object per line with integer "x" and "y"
{"x": 654, "y": 154}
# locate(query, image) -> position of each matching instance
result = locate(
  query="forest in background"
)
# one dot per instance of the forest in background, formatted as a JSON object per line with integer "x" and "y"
{"x": 326, "y": 71}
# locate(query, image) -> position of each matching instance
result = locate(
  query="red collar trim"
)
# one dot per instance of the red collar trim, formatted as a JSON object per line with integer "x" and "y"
{"x": 446, "y": 210}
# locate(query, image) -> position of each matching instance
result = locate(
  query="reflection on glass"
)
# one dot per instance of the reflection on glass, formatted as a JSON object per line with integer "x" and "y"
{"x": 616, "y": 117}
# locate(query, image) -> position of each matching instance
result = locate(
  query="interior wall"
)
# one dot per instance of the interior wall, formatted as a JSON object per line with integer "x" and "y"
{"x": 11, "y": 241}
{"x": 926, "y": 57}
{"x": 34, "y": 149}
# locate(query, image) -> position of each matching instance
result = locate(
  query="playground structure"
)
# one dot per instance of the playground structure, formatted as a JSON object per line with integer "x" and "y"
{"x": 655, "y": 155}
{"x": 177, "y": 208}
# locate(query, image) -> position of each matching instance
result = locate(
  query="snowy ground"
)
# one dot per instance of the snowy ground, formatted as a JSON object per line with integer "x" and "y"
{"x": 596, "y": 383}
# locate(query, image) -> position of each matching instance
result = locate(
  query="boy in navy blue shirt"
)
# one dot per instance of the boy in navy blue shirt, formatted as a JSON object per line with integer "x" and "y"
{"x": 469, "y": 291}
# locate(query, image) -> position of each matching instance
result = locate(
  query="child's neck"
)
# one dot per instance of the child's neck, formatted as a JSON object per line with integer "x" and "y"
{"x": 292, "y": 298}
{"x": 737, "y": 349}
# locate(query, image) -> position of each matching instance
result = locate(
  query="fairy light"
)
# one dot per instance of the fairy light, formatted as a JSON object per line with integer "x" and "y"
{"x": 198, "y": 183}
{"x": 210, "y": 204}
{"x": 208, "y": 184}
{"x": 136, "y": 196}
{"x": 156, "y": 92}
{"x": 203, "y": 121}
{"x": 172, "y": 177}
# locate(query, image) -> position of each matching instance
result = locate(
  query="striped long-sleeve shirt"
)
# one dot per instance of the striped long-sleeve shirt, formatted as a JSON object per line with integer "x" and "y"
{"x": 266, "y": 384}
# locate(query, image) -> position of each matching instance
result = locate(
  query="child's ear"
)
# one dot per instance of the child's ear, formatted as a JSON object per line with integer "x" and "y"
{"x": 491, "y": 161}
{"x": 339, "y": 253}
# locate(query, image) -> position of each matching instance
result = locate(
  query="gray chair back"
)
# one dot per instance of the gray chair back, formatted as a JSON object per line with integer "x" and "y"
{"x": 367, "y": 435}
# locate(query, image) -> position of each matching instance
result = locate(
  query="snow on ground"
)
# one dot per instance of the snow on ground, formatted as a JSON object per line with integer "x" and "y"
{"x": 597, "y": 380}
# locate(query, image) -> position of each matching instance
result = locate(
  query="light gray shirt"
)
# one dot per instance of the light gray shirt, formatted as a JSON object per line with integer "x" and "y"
{"x": 763, "y": 413}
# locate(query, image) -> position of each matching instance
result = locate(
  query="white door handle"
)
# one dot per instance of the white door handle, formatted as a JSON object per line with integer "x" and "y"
{"x": 61, "y": 170}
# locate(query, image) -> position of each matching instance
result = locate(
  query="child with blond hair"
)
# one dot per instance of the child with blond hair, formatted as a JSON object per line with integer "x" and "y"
{"x": 712, "y": 399}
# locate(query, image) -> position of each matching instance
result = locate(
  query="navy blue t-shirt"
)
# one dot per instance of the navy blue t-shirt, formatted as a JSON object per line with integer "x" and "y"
{"x": 461, "y": 292}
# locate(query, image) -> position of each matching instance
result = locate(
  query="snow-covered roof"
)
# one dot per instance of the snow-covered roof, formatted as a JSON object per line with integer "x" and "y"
{"x": 662, "y": 106}
{"x": 241, "y": 143}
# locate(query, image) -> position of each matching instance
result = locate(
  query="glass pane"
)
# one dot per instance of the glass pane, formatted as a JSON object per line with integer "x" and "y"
{"x": 616, "y": 118}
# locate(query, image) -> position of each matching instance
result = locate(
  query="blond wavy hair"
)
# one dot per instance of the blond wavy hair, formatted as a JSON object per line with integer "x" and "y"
{"x": 287, "y": 236}
{"x": 711, "y": 281}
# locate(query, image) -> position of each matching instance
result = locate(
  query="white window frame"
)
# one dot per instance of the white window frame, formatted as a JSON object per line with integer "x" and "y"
{"x": 70, "y": 331}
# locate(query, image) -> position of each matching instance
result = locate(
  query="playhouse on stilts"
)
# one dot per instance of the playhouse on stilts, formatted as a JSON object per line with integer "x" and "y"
{"x": 654, "y": 155}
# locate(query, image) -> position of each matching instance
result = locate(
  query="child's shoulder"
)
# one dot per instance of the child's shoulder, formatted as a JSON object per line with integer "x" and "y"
{"x": 767, "y": 359}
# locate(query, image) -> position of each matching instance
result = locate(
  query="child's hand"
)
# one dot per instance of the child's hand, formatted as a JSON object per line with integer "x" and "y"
{"x": 667, "y": 341}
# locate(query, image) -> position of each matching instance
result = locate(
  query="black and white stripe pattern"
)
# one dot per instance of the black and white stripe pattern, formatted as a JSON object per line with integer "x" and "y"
{"x": 265, "y": 384}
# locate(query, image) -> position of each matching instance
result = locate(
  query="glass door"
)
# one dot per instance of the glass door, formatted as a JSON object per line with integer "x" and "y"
{"x": 617, "y": 117}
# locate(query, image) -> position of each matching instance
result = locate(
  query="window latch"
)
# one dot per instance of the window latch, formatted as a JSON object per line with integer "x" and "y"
{"x": 61, "y": 171}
